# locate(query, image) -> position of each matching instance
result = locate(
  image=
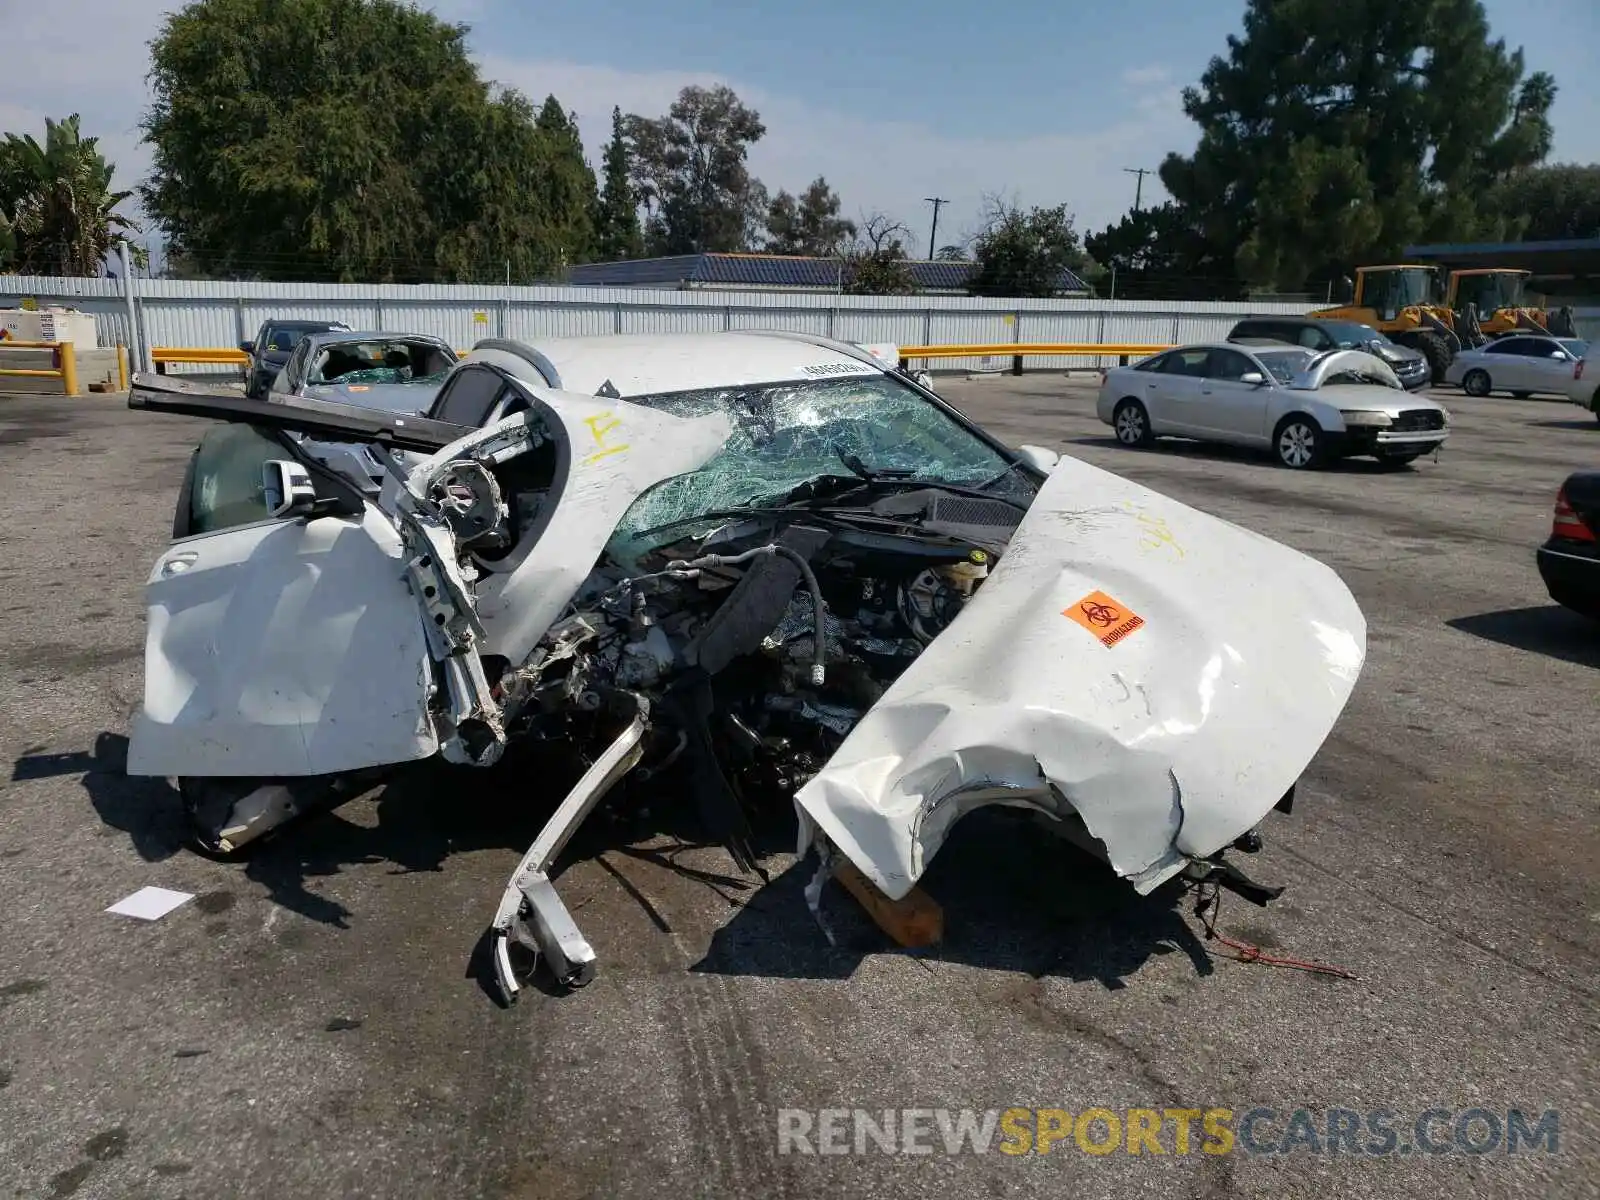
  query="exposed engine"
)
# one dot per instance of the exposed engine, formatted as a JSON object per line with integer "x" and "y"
{"x": 753, "y": 684}
{"x": 758, "y": 645}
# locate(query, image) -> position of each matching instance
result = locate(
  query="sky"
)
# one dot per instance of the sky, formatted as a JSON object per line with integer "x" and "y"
{"x": 1042, "y": 101}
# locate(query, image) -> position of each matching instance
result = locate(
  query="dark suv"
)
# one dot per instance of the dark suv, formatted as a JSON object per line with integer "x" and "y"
{"x": 271, "y": 350}
{"x": 1316, "y": 333}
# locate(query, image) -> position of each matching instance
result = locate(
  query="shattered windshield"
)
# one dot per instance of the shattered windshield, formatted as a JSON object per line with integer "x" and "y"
{"x": 785, "y": 434}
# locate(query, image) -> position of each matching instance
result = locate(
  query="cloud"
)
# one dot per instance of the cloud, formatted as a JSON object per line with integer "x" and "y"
{"x": 875, "y": 165}
{"x": 885, "y": 166}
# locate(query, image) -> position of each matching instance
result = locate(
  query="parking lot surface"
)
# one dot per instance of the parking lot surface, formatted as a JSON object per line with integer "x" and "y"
{"x": 312, "y": 1023}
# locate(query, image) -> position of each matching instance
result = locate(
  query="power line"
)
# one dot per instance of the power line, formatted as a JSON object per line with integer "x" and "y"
{"x": 938, "y": 202}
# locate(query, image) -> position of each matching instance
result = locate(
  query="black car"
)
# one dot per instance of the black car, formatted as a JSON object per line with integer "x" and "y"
{"x": 271, "y": 350}
{"x": 1569, "y": 561}
{"x": 1317, "y": 333}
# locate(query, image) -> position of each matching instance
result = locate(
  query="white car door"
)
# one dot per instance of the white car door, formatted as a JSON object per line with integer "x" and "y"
{"x": 277, "y": 647}
{"x": 1550, "y": 369}
{"x": 1510, "y": 365}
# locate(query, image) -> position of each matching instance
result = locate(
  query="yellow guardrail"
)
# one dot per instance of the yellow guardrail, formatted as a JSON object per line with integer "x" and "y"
{"x": 64, "y": 357}
{"x": 162, "y": 355}
{"x": 1017, "y": 351}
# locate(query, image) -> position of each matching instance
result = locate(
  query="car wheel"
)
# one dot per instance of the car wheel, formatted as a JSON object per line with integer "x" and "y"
{"x": 1299, "y": 443}
{"x": 1476, "y": 383}
{"x": 1132, "y": 424}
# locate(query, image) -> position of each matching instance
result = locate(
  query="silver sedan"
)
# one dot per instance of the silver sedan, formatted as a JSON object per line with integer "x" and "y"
{"x": 1308, "y": 408}
{"x": 1521, "y": 364}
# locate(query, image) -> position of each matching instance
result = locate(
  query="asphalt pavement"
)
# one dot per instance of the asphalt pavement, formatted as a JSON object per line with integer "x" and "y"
{"x": 314, "y": 1023}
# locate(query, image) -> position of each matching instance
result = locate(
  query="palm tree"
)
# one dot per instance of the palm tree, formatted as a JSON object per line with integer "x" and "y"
{"x": 57, "y": 210}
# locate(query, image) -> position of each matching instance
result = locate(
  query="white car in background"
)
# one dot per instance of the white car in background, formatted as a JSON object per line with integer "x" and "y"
{"x": 1521, "y": 364}
{"x": 1582, "y": 386}
{"x": 1308, "y": 408}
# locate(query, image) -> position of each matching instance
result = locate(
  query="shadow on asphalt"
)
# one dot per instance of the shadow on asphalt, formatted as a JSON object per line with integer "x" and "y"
{"x": 1581, "y": 423}
{"x": 1222, "y": 452}
{"x": 1014, "y": 900}
{"x": 146, "y": 809}
{"x": 1547, "y": 629}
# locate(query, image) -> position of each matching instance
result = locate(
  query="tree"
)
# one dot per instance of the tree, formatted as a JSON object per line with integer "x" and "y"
{"x": 810, "y": 225}
{"x": 689, "y": 171}
{"x": 57, "y": 210}
{"x": 345, "y": 139}
{"x": 616, "y": 225}
{"x": 566, "y": 185}
{"x": 1333, "y": 134}
{"x": 875, "y": 263}
{"x": 1158, "y": 254}
{"x": 1548, "y": 203}
{"x": 1024, "y": 253}
{"x": 952, "y": 253}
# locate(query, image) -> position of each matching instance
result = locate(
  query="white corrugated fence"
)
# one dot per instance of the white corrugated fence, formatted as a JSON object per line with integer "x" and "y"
{"x": 222, "y": 314}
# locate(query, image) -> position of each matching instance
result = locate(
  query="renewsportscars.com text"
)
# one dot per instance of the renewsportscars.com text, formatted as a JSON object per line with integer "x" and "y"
{"x": 1378, "y": 1132}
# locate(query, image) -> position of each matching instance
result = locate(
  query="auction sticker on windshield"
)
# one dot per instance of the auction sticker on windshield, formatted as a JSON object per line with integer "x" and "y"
{"x": 1104, "y": 617}
{"x": 823, "y": 370}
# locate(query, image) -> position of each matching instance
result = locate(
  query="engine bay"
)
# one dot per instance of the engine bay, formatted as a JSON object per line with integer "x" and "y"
{"x": 759, "y": 636}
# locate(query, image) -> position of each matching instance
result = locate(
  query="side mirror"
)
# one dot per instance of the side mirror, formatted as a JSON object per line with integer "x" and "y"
{"x": 287, "y": 488}
{"x": 1254, "y": 378}
{"x": 1039, "y": 458}
{"x": 1560, "y": 355}
{"x": 248, "y": 347}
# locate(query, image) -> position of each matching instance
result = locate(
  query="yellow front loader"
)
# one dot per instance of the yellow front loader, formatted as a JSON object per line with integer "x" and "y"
{"x": 1491, "y": 302}
{"x": 1402, "y": 301}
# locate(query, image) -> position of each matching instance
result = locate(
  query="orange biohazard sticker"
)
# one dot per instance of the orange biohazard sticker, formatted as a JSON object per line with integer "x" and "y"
{"x": 1104, "y": 617}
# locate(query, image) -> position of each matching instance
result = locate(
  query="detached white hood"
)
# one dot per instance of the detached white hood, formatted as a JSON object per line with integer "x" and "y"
{"x": 1168, "y": 674}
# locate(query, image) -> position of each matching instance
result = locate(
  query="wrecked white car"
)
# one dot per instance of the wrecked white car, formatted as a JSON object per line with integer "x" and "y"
{"x": 762, "y": 561}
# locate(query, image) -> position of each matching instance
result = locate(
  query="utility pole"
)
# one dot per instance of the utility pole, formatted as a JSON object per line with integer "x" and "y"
{"x": 938, "y": 202}
{"x": 1138, "y": 188}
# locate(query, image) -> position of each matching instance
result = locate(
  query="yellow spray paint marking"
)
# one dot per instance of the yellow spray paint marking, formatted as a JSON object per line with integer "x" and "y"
{"x": 601, "y": 427}
{"x": 1154, "y": 532}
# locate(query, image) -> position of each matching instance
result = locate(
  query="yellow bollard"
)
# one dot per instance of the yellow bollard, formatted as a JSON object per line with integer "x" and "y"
{"x": 122, "y": 367}
{"x": 67, "y": 359}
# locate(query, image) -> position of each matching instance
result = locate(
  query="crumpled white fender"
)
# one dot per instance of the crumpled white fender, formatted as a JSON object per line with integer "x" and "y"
{"x": 1166, "y": 673}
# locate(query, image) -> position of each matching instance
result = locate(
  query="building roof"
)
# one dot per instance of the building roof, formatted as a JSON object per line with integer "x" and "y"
{"x": 1568, "y": 256}
{"x": 767, "y": 270}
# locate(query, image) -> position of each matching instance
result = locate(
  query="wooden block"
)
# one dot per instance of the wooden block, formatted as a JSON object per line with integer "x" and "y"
{"x": 915, "y": 920}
